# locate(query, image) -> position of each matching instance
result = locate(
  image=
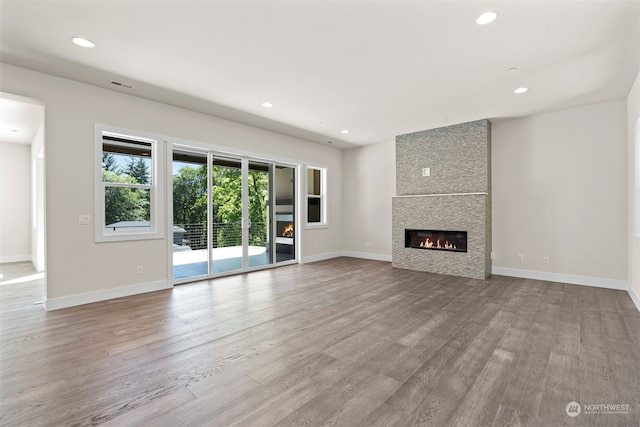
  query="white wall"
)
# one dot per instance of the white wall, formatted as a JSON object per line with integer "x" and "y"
{"x": 633, "y": 115}
{"x": 15, "y": 202}
{"x": 560, "y": 190}
{"x": 369, "y": 185}
{"x": 75, "y": 264}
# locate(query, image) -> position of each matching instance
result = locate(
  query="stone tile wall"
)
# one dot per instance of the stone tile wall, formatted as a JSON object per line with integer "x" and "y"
{"x": 459, "y": 157}
{"x": 456, "y": 196}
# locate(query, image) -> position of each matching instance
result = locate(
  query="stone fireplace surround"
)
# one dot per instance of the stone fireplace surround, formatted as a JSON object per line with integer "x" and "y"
{"x": 455, "y": 196}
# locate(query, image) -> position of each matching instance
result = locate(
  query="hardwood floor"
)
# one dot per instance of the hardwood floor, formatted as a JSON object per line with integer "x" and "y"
{"x": 344, "y": 342}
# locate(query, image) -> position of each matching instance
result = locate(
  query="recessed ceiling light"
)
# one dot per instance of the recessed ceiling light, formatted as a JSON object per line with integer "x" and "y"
{"x": 82, "y": 42}
{"x": 486, "y": 18}
{"x": 344, "y": 131}
{"x": 521, "y": 90}
{"x": 267, "y": 105}
{"x": 14, "y": 130}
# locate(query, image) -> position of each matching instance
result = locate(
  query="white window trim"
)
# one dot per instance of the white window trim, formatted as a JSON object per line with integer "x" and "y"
{"x": 324, "y": 223}
{"x": 157, "y": 216}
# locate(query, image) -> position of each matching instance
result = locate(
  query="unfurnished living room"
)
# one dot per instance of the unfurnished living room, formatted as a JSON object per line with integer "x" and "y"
{"x": 349, "y": 213}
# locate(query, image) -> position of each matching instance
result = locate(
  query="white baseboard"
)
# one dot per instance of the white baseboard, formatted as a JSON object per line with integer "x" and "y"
{"x": 367, "y": 255}
{"x": 634, "y": 297}
{"x": 38, "y": 266}
{"x": 103, "y": 295}
{"x": 598, "y": 282}
{"x": 15, "y": 258}
{"x": 321, "y": 257}
{"x": 352, "y": 254}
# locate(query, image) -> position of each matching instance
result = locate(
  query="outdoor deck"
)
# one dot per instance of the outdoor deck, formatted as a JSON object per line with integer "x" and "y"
{"x": 192, "y": 263}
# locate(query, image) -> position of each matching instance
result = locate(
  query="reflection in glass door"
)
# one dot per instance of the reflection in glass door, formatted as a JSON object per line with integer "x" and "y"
{"x": 285, "y": 220}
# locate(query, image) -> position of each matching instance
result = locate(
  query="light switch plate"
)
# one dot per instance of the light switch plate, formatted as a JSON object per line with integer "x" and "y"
{"x": 84, "y": 219}
{"x": 426, "y": 171}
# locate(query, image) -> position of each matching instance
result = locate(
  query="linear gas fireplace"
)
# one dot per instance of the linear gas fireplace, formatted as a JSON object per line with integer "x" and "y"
{"x": 439, "y": 240}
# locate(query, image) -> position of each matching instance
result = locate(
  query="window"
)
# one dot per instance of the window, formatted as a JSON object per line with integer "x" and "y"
{"x": 316, "y": 196}
{"x": 128, "y": 181}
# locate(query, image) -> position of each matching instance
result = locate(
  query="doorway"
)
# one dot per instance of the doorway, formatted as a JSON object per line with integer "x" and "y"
{"x": 228, "y": 214}
{"x": 22, "y": 175}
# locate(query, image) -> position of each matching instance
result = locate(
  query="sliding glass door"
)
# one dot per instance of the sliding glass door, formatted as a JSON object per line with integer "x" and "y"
{"x": 226, "y": 214}
{"x": 231, "y": 214}
{"x": 259, "y": 200}
{"x": 284, "y": 213}
{"x": 190, "y": 215}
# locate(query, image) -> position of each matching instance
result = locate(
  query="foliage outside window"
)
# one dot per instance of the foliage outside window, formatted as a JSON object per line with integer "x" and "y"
{"x": 258, "y": 195}
{"x": 316, "y": 196}
{"x": 127, "y": 190}
{"x": 226, "y": 202}
{"x": 190, "y": 201}
{"x": 190, "y": 198}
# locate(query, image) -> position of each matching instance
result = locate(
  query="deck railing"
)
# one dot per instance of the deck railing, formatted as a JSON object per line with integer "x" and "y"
{"x": 226, "y": 234}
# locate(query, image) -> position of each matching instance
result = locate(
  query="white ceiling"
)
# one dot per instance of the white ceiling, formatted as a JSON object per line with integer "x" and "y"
{"x": 376, "y": 68}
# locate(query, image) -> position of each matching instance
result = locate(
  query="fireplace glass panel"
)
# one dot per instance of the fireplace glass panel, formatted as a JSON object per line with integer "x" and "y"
{"x": 439, "y": 240}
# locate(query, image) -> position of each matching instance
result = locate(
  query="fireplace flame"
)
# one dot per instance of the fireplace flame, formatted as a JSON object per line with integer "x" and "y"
{"x": 288, "y": 230}
{"x": 428, "y": 243}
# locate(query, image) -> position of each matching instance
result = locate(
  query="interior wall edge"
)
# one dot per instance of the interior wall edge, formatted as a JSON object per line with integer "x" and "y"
{"x": 634, "y": 297}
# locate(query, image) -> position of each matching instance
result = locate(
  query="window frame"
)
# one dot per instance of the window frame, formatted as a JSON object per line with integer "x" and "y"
{"x": 324, "y": 222}
{"x": 156, "y": 228}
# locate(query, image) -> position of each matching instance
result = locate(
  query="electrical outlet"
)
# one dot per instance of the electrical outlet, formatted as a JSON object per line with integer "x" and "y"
{"x": 139, "y": 269}
{"x": 520, "y": 257}
{"x": 545, "y": 260}
{"x": 368, "y": 244}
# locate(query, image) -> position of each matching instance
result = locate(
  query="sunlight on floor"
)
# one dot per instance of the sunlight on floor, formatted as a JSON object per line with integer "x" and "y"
{"x": 22, "y": 279}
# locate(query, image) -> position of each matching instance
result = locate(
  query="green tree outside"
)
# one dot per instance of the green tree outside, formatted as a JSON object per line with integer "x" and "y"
{"x": 124, "y": 203}
{"x": 109, "y": 163}
{"x": 190, "y": 203}
{"x": 139, "y": 169}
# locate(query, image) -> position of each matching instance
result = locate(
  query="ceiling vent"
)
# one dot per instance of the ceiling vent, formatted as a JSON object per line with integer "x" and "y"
{"x": 120, "y": 84}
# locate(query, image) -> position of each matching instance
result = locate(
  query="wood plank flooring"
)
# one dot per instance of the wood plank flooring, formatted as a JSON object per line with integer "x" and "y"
{"x": 345, "y": 342}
